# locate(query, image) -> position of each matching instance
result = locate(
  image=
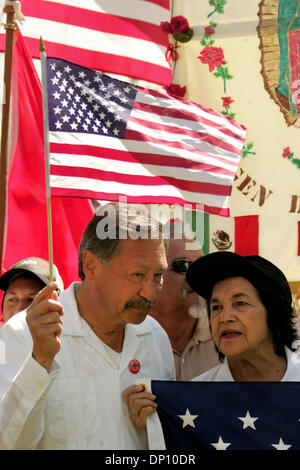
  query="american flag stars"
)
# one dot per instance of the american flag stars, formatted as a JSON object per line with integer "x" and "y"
{"x": 248, "y": 421}
{"x": 188, "y": 419}
{"x": 84, "y": 101}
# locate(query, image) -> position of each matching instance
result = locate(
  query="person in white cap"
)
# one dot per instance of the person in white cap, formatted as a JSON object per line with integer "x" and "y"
{"x": 22, "y": 282}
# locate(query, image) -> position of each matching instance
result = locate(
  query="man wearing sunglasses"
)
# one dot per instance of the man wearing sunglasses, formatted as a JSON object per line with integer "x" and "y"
{"x": 182, "y": 313}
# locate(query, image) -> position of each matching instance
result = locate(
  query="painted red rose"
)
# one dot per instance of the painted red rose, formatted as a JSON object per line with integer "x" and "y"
{"x": 213, "y": 56}
{"x": 227, "y": 101}
{"x": 166, "y": 27}
{"x": 209, "y": 31}
{"x": 178, "y": 24}
{"x": 286, "y": 152}
{"x": 176, "y": 90}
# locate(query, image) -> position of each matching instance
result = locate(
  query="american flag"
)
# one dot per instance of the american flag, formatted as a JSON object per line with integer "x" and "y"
{"x": 228, "y": 415}
{"x": 109, "y": 138}
{"x": 114, "y": 36}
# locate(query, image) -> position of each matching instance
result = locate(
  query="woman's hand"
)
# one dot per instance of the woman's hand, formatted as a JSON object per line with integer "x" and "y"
{"x": 140, "y": 403}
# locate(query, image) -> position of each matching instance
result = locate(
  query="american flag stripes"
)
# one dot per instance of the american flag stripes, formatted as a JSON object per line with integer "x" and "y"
{"x": 109, "y": 138}
{"x": 114, "y": 36}
{"x": 26, "y": 189}
{"x": 228, "y": 415}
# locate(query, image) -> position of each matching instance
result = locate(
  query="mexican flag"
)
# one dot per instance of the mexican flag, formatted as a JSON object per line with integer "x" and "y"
{"x": 238, "y": 234}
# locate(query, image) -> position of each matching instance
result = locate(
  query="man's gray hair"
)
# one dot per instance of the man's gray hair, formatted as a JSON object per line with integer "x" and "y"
{"x": 113, "y": 223}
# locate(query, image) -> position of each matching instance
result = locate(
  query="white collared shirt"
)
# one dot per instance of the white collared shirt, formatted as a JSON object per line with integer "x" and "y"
{"x": 222, "y": 373}
{"x": 79, "y": 404}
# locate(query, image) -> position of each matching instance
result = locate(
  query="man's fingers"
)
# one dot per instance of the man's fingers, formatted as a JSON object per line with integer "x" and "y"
{"x": 45, "y": 293}
{"x": 54, "y": 295}
{"x": 50, "y": 317}
{"x": 148, "y": 410}
{"x": 140, "y": 417}
{"x": 54, "y": 329}
{"x": 130, "y": 391}
{"x": 140, "y": 396}
{"x": 140, "y": 403}
{"x": 44, "y": 307}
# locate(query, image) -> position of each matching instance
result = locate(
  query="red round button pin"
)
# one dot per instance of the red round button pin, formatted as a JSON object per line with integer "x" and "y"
{"x": 134, "y": 366}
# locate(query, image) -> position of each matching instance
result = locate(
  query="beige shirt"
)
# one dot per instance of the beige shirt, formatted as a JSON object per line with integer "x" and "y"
{"x": 199, "y": 354}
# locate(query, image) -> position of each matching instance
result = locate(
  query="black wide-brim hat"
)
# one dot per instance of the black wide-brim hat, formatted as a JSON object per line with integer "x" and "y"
{"x": 206, "y": 271}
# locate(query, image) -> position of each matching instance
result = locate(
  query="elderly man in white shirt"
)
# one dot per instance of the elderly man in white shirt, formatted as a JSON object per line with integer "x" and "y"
{"x": 69, "y": 359}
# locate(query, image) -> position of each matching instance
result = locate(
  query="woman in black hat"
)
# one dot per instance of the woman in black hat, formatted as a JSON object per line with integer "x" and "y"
{"x": 251, "y": 317}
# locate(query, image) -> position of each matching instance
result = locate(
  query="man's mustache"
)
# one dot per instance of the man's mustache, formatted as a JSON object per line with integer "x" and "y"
{"x": 140, "y": 303}
{"x": 184, "y": 292}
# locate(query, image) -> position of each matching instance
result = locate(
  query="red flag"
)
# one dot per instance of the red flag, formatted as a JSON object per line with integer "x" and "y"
{"x": 109, "y": 138}
{"x": 246, "y": 235}
{"x": 114, "y": 36}
{"x": 26, "y": 200}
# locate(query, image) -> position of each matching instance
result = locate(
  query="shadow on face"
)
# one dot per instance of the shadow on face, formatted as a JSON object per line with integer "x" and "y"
{"x": 19, "y": 295}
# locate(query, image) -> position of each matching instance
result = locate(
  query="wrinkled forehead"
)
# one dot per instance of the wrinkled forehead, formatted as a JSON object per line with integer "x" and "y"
{"x": 146, "y": 252}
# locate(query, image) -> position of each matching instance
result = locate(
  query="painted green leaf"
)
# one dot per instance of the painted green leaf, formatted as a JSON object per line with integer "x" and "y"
{"x": 227, "y": 75}
{"x": 246, "y": 150}
{"x": 184, "y": 37}
{"x": 227, "y": 113}
{"x": 296, "y": 162}
{"x": 219, "y": 71}
{"x": 217, "y": 3}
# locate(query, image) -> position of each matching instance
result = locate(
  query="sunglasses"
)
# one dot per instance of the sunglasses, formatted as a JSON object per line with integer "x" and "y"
{"x": 181, "y": 265}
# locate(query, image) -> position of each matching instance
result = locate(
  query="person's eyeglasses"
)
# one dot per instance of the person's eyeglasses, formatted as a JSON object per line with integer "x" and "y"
{"x": 181, "y": 265}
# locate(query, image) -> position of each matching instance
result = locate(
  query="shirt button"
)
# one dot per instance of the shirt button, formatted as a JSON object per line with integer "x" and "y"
{"x": 182, "y": 360}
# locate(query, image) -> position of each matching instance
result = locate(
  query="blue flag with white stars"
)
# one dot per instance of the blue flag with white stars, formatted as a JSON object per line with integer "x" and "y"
{"x": 229, "y": 415}
{"x": 86, "y": 101}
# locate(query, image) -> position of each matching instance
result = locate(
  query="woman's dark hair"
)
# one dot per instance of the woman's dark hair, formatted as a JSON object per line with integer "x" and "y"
{"x": 280, "y": 318}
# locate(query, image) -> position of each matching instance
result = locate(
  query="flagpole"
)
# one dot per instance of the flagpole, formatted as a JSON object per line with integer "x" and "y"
{"x": 43, "y": 56}
{"x": 10, "y": 26}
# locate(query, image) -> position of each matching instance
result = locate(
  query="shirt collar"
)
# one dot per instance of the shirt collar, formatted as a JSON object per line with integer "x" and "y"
{"x": 202, "y": 330}
{"x": 71, "y": 319}
{"x": 292, "y": 369}
{"x": 291, "y": 372}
